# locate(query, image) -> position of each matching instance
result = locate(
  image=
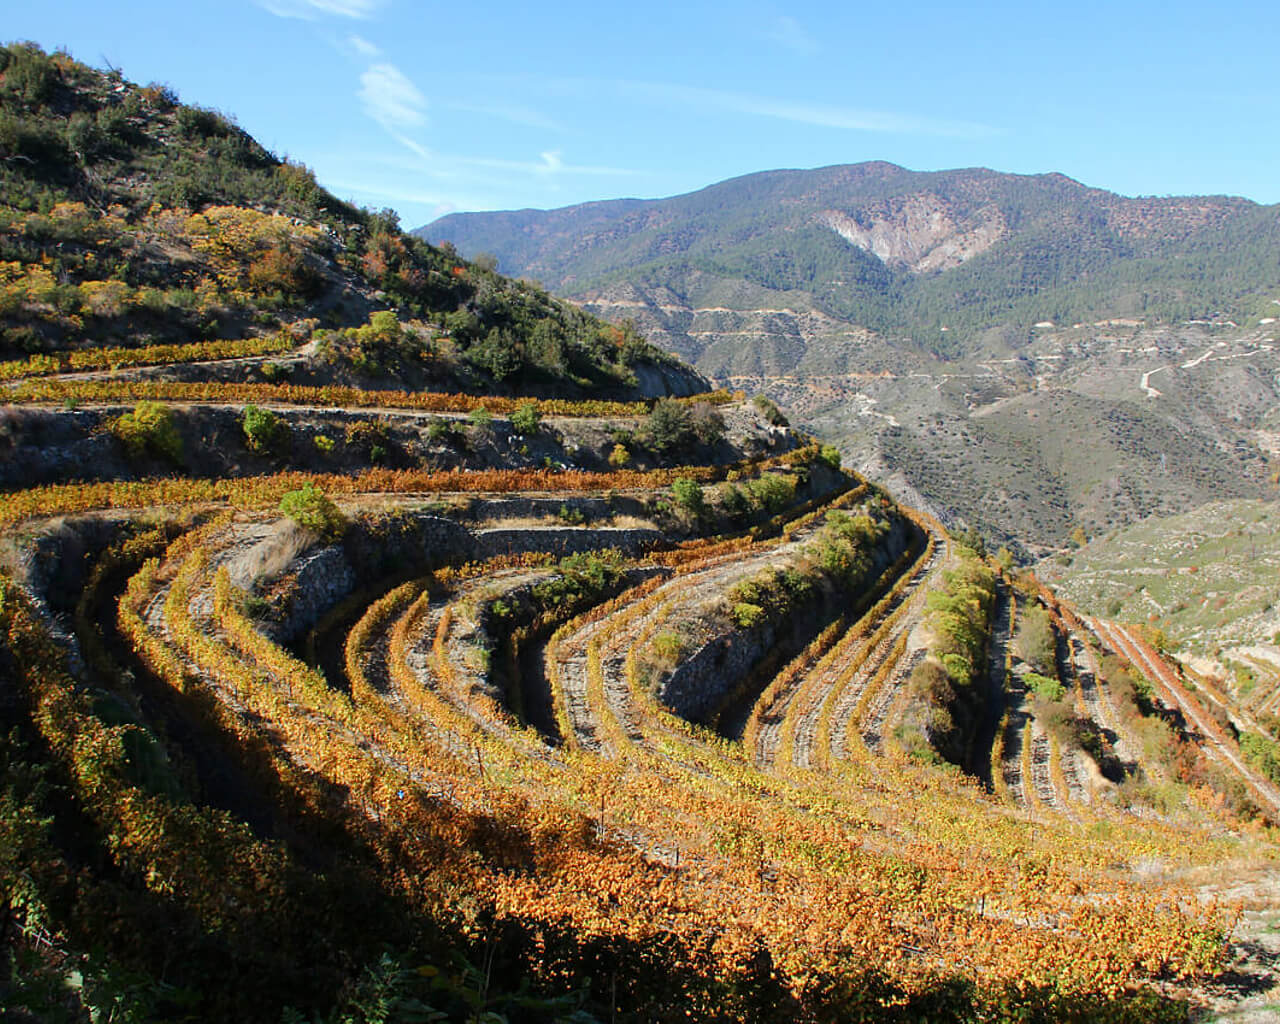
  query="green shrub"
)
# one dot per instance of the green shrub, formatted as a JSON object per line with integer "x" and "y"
{"x": 959, "y": 666}
{"x": 931, "y": 683}
{"x": 688, "y": 495}
{"x": 1073, "y": 730}
{"x": 747, "y": 615}
{"x": 324, "y": 443}
{"x": 769, "y": 410}
{"x": 571, "y": 516}
{"x": 366, "y": 435}
{"x": 842, "y": 560}
{"x": 667, "y": 427}
{"x": 772, "y": 492}
{"x": 619, "y": 457}
{"x": 580, "y": 579}
{"x": 960, "y": 614}
{"x": 798, "y": 586}
{"x": 29, "y": 75}
{"x": 312, "y": 508}
{"x": 1263, "y": 753}
{"x": 481, "y": 418}
{"x": 149, "y": 430}
{"x": 263, "y": 429}
{"x": 668, "y": 647}
{"x": 526, "y": 419}
{"x": 1035, "y": 642}
{"x": 198, "y": 122}
{"x": 84, "y": 136}
{"x": 830, "y": 454}
{"x": 913, "y": 741}
{"x": 860, "y": 529}
{"x": 735, "y": 502}
{"x": 1044, "y": 687}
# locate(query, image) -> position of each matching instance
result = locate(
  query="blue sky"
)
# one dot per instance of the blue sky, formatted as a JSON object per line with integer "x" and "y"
{"x": 433, "y": 107}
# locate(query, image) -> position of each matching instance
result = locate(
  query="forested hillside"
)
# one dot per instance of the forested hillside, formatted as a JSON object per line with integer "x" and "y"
{"x": 907, "y": 254}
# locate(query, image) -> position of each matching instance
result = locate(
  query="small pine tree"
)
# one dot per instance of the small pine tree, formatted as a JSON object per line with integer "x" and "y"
{"x": 263, "y": 429}
{"x": 526, "y": 419}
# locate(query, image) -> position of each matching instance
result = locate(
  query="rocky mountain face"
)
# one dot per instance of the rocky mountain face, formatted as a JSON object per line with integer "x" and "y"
{"x": 1021, "y": 354}
{"x": 917, "y": 232}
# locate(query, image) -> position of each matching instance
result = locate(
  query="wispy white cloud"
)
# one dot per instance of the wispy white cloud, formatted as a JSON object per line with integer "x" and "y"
{"x": 390, "y": 191}
{"x": 790, "y": 35}
{"x": 549, "y": 163}
{"x": 309, "y": 10}
{"x": 821, "y": 115}
{"x": 424, "y": 163}
{"x": 363, "y": 47}
{"x": 413, "y": 146}
{"x": 391, "y": 99}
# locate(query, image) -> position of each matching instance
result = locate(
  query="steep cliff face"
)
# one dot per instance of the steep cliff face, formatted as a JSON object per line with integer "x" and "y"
{"x": 660, "y": 380}
{"x": 918, "y": 232}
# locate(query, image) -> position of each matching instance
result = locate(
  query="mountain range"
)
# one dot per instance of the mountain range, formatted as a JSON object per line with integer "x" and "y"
{"x": 1021, "y": 354}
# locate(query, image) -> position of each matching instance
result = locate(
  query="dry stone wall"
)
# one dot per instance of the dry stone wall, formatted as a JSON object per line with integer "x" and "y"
{"x": 701, "y": 682}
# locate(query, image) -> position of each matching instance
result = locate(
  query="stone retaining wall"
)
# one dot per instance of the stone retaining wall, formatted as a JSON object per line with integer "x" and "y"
{"x": 701, "y": 682}
{"x": 418, "y": 542}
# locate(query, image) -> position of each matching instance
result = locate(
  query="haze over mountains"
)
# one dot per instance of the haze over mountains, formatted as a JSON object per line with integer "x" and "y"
{"x": 982, "y": 340}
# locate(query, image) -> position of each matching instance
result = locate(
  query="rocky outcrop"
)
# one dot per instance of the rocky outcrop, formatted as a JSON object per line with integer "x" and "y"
{"x": 660, "y": 380}
{"x": 53, "y": 566}
{"x": 320, "y": 580}
{"x": 409, "y": 542}
{"x": 917, "y": 232}
{"x": 563, "y": 541}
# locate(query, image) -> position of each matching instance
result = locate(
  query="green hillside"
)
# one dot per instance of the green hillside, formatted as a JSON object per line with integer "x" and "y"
{"x": 1207, "y": 578}
{"x": 128, "y": 219}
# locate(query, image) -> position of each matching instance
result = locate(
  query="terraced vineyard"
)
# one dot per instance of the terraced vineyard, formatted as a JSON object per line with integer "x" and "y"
{"x": 612, "y": 758}
{"x": 578, "y": 703}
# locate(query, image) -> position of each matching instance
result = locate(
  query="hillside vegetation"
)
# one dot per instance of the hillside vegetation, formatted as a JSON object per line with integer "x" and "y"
{"x": 327, "y": 703}
{"x": 1206, "y": 583}
{"x": 131, "y": 223}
